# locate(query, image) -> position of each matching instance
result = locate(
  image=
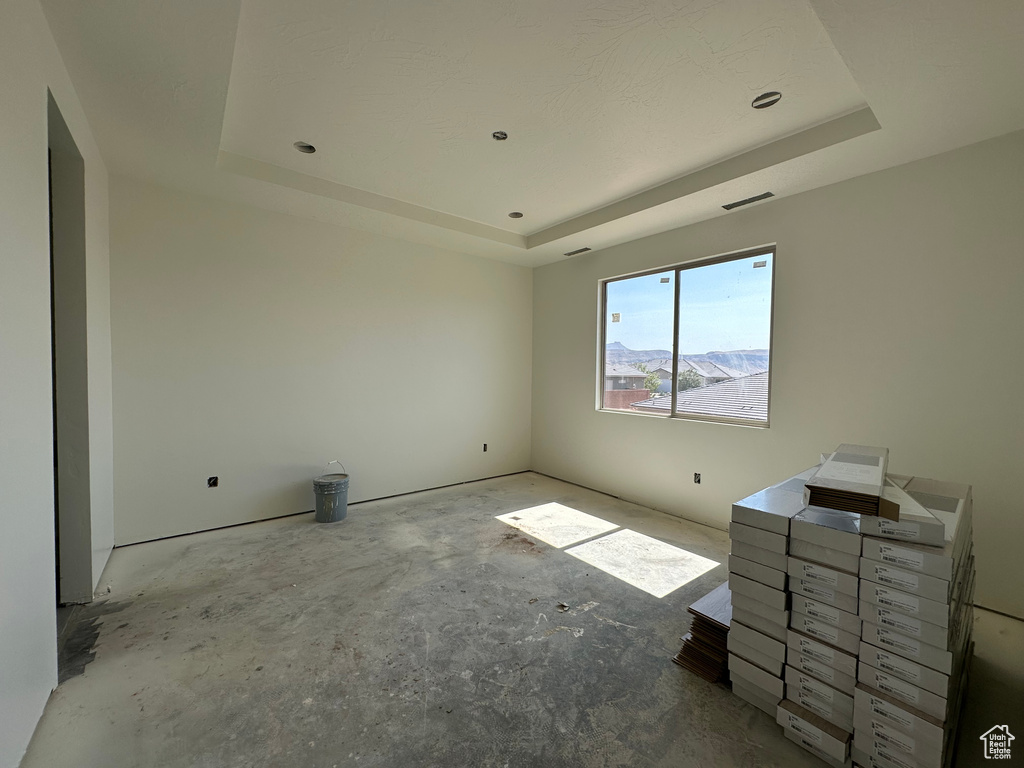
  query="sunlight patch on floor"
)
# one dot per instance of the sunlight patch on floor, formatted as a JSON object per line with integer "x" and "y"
{"x": 557, "y": 524}
{"x": 648, "y": 564}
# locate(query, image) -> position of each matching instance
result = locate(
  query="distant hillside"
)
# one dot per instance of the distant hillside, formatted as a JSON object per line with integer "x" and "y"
{"x": 745, "y": 360}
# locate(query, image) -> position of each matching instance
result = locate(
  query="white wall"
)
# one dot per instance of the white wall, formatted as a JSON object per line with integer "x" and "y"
{"x": 899, "y": 310}
{"x": 257, "y": 346}
{"x": 30, "y": 64}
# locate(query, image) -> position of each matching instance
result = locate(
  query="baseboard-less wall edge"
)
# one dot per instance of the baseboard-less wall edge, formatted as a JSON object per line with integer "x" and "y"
{"x": 629, "y": 501}
{"x": 999, "y": 613}
{"x": 310, "y": 511}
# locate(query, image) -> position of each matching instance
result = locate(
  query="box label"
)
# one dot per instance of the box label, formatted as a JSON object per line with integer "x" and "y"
{"x": 817, "y": 651}
{"x": 905, "y": 531}
{"x": 894, "y": 738}
{"x": 897, "y": 666}
{"x": 818, "y": 670}
{"x": 905, "y": 558}
{"x": 805, "y": 729}
{"x": 889, "y": 712}
{"x": 899, "y": 622}
{"x": 896, "y": 578}
{"x": 898, "y": 688}
{"x": 823, "y": 613}
{"x": 816, "y": 572}
{"x": 811, "y": 702}
{"x": 815, "y": 687}
{"x": 898, "y": 600}
{"x": 814, "y": 629}
{"x": 822, "y": 593}
{"x": 902, "y": 644}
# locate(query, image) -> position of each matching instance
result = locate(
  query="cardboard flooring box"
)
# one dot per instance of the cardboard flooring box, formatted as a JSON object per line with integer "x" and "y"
{"x": 757, "y": 537}
{"x": 929, "y": 587}
{"x": 830, "y": 739}
{"x": 952, "y": 503}
{"x": 766, "y": 652}
{"x": 942, "y": 638}
{"x": 822, "y": 671}
{"x": 847, "y": 583}
{"x": 763, "y": 625}
{"x": 833, "y": 558}
{"x": 908, "y": 647}
{"x": 929, "y": 733}
{"x": 932, "y": 611}
{"x": 823, "y": 594}
{"x": 846, "y": 663}
{"x": 807, "y": 744}
{"x": 821, "y": 630}
{"x": 772, "y": 508}
{"x": 759, "y": 555}
{"x": 754, "y": 675}
{"x": 851, "y": 479}
{"x": 930, "y": 703}
{"x": 939, "y": 562}
{"x": 754, "y": 695}
{"x": 916, "y": 524}
{"x": 758, "y": 572}
{"x": 825, "y": 701}
{"x": 848, "y": 622}
{"x": 829, "y": 528}
{"x": 773, "y": 598}
{"x": 905, "y": 669}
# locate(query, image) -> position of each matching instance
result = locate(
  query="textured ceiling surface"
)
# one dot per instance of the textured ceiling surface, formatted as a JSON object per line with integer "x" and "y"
{"x": 625, "y": 117}
{"x": 600, "y": 100}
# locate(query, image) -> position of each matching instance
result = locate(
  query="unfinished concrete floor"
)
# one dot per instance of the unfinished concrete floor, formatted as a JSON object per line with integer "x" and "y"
{"x": 408, "y": 635}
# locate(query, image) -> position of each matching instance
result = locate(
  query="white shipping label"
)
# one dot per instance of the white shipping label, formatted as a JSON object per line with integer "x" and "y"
{"x": 893, "y": 737}
{"x": 817, "y": 629}
{"x": 799, "y": 725}
{"x": 818, "y": 670}
{"x": 816, "y": 687}
{"x": 899, "y": 622}
{"x": 817, "y": 651}
{"x": 898, "y": 688}
{"x": 896, "y": 578}
{"x": 811, "y": 702}
{"x": 822, "y": 593}
{"x": 822, "y": 612}
{"x": 901, "y": 556}
{"x": 898, "y": 666}
{"x": 902, "y": 644}
{"x": 891, "y": 713}
{"x": 898, "y": 600}
{"x": 816, "y": 572}
{"x": 905, "y": 531}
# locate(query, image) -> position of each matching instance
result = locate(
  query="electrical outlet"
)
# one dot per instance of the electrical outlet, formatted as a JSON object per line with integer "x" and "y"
{"x": 211, "y": 482}
{"x": 485, "y": 447}
{"x": 696, "y": 477}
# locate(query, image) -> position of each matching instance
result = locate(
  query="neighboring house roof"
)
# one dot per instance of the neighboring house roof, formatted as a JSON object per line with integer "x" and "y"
{"x": 622, "y": 371}
{"x": 741, "y": 398}
{"x": 704, "y": 368}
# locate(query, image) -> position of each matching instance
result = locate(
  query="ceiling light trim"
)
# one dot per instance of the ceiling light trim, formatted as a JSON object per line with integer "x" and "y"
{"x": 826, "y": 134}
{"x": 285, "y": 177}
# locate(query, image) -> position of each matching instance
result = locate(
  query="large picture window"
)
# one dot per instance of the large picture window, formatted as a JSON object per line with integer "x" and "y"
{"x": 691, "y": 340}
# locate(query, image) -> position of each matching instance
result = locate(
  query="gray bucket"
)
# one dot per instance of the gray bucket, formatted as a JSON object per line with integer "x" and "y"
{"x": 331, "y": 496}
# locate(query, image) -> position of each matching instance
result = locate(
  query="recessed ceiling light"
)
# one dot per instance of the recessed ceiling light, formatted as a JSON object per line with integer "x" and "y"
{"x": 577, "y": 252}
{"x": 304, "y": 148}
{"x": 766, "y": 100}
{"x": 499, "y": 135}
{"x": 515, "y": 215}
{"x": 748, "y": 200}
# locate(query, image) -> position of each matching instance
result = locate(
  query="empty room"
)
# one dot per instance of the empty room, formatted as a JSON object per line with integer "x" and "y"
{"x": 511, "y": 384}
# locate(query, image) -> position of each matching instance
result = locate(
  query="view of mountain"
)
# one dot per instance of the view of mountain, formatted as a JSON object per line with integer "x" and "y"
{"x": 745, "y": 360}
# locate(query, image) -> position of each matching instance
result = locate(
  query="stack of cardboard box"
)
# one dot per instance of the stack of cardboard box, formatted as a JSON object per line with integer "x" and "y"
{"x": 853, "y": 630}
{"x": 916, "y": 593}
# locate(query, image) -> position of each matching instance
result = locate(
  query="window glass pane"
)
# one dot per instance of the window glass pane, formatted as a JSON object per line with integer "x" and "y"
{"x": 638, "y": 340}
{"x": 725, "y": 312}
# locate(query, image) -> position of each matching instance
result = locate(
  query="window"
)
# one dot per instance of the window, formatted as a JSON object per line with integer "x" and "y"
{"x": 704, "y": 326}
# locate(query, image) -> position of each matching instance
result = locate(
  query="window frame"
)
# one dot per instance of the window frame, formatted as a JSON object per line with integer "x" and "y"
{"x": 678, "y": 270}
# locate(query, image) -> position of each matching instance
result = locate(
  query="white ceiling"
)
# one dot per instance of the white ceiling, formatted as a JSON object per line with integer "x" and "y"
{"x": 624, "y": 118}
